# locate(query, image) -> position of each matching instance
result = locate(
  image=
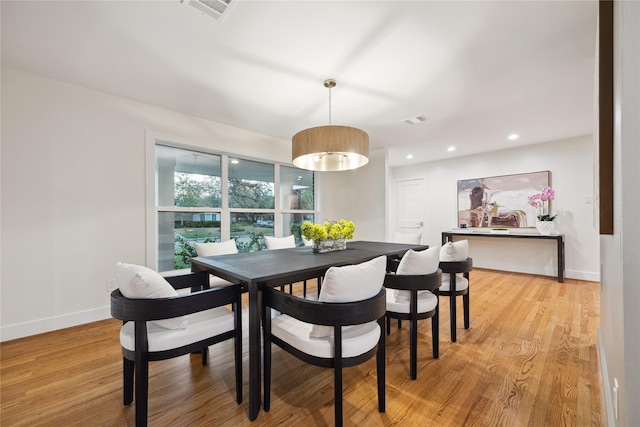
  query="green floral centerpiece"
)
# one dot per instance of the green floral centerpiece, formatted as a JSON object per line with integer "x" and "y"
{"x": 330, "y": 236}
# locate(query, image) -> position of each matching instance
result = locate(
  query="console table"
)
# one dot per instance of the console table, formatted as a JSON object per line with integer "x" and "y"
{"x": 559, "y": 238}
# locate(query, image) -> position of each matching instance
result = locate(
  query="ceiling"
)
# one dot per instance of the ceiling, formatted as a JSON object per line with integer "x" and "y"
{"x": 477, "y": 70}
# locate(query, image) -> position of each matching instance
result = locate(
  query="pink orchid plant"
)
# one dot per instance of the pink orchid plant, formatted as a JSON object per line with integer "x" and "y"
{"x": 541, "y": 202}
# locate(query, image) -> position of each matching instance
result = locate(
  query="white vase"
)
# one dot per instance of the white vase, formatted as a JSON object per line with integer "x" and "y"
{"x": 546, "y": 227}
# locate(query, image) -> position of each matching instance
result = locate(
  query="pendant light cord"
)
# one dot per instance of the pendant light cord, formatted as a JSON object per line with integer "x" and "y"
{"x": 329, "y": 105}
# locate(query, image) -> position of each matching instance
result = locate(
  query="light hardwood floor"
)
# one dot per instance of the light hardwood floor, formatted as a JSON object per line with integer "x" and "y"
{"x": 529, "y": 359}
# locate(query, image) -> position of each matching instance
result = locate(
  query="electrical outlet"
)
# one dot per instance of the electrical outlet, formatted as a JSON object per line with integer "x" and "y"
{"x": 111, "y": 285}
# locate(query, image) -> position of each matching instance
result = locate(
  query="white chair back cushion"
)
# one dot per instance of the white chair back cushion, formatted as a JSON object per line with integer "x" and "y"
{"x": 411, "y": 238}
{"x": 455, "y": 251}
{"x": 351, "y": 283}
{"x": 216, "y": 248}
{"x": 419, "y": 262}
{"x": 202, "y": 325}
{"x": 416, "y": 263}
{"x": 280, "y": 242}
{"x": 137, "y": 281}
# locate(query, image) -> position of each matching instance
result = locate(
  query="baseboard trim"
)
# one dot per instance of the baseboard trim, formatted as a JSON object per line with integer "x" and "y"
{"x": 582, "y": 275}
{"x": 41, "y": 326}
{"x": 606, "y": 389}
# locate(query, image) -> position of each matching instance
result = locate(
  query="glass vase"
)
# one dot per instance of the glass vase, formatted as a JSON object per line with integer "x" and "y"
{"x": 329, "y": 245}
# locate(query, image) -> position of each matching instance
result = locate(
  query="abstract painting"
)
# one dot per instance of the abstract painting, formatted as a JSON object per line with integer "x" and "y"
{"x": 500, "y": 201}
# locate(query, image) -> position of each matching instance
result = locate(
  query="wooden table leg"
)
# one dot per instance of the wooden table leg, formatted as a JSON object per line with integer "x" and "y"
{"x": 254, "y": 352}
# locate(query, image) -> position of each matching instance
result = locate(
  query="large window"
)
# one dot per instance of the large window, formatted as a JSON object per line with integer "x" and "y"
{"x": 251, "y": 184}
{"x": 208, "y": 197}
{"x": 296, "y": 200}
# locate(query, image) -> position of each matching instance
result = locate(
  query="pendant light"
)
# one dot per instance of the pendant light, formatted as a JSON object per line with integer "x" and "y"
{"x": 330, "y": 148}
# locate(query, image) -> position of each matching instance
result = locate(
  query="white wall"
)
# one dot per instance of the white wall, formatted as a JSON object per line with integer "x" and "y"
{"x": 73, "y": 194}
{"x": 619, "y": 340}
{"x": 358, "y": 195}
{"x": 571, "y": 166}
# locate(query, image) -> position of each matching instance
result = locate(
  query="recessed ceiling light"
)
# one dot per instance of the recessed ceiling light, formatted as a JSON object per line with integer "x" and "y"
{"x": 452, "y": 148}
{"x": 513, "y": 137}
{"x": 409, "y": 156}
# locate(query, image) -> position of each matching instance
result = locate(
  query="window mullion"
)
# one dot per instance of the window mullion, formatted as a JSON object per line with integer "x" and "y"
{"x": 225, "y": 223}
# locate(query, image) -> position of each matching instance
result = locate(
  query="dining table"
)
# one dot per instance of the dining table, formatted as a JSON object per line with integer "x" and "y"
{"x": 257, "y": 270}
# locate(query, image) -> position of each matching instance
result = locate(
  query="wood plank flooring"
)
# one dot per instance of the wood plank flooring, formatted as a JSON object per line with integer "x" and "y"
{"x": 529, "y": 359}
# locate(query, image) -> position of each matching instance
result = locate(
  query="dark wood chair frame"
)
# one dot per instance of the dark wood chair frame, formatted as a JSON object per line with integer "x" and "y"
{"x": 452, "y": 268}
{"x": 413, "y": 284}
{"x": 329, "y": 314}
{"x": 141, "y": 311}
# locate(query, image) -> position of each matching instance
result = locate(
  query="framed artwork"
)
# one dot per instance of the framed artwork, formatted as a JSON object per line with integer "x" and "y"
{"x": 500, "y": 201}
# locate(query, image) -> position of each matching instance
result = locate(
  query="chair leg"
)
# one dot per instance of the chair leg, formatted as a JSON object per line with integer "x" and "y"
{"x": 267, "y": 358}
{"x": 380, "y": 370}
{"x": 337, "y": 397}
{"x": 465, "y": 307}
{"x": 304, "y": 289}
{"x": 452, "y": 309}
{"x": 128, "y": 367}
{"x": 388, "y": 322}
{"x": 205, "y": 356}
{"x": 337, "y": 375}
{"x": 237, "y": 345}
{"x": 435, "y": 332}
{"x": 142, "y": 391}
{"x": 413, "y": 348}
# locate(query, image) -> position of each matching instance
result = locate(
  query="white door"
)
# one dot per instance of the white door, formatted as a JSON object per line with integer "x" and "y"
{"x": 410, "y": 205}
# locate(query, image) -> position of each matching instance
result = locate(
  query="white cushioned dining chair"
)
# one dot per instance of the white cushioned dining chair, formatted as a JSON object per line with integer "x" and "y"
{"x": 456, "y": 264}
{"x": 280, "y": 242}
{"x": 274, "y": 243}
{"x": 410, "y": 296}
{"x": 343, "y": 328}
{"x": 217, "y": 248}
{"x": 159, "y": 324}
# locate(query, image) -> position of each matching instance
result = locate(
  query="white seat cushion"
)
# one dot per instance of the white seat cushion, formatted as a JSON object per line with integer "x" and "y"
{"x": 136, "y": 281}
{"x": 455, "y": 251}
{"x": 461, "y": 283}
{"x": 202, "y": 325}
{"x": 426, "y": 302}
{"x": 280, "y": 242}
{"x": 417, "y": 263}
{"x": 356, "y": 340}
{"x": 216, "y": 248}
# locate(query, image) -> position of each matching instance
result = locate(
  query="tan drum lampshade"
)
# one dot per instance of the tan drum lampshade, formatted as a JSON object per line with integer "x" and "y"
{"x": 330, "y": 148}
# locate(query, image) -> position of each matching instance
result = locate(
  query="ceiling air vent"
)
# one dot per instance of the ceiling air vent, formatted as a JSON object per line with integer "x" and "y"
{"x": 415, "y": 119}
{"x": 217, "y": 9}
